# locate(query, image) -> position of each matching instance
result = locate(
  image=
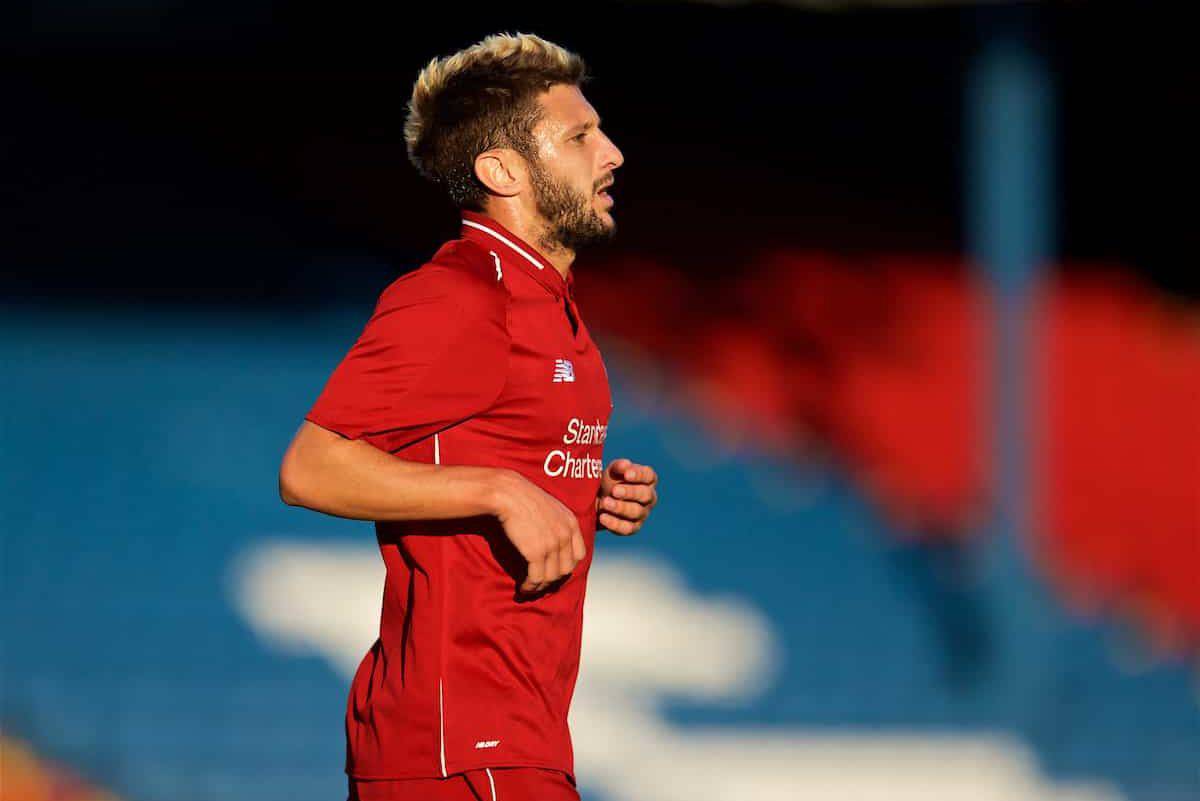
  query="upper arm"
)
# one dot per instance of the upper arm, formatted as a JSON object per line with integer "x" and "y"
{"x": 435, "y": 352}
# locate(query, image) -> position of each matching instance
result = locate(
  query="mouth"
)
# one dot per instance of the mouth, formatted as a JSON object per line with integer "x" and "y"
{"x": 603, "y": 192}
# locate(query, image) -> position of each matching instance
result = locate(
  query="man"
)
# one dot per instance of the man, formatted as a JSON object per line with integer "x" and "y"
{"x": 469, "y": 420}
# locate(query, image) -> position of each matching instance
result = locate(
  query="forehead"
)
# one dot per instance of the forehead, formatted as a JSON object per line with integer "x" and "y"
{"x": 564, "y": 106}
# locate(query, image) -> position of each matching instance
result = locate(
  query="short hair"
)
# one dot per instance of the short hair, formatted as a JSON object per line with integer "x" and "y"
{"x": 480, "y": 98}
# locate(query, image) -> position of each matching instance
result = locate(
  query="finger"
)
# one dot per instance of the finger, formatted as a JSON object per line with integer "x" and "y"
{"x": 535, "y": 576}
{"x": 618, "y": 525}
{"x": 566, "y": 547}
{"x": 628, "y": 510}
{"x": 566, "y": 556}
{"x": 554, "y": 566}
{"x": 578, "y": 546}
{"x": 641, "y": 493}
{"x": 573, "y": 544}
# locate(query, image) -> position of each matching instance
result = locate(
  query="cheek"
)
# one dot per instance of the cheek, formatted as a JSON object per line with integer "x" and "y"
{"x": 570, "y": 167}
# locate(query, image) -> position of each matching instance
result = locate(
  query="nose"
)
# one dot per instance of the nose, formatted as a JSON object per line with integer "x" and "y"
{"x": 613, "y": 158}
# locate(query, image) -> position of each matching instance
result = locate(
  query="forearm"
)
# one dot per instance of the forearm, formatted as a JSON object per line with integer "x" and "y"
{"x": 350, "y": 478}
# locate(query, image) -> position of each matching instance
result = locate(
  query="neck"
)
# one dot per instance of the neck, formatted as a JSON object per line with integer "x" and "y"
{"x": 532, "y": 228}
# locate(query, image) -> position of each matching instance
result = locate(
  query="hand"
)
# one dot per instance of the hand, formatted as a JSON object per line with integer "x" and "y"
{"x": 628, "y": 492}
{"x": 545, "y": 532}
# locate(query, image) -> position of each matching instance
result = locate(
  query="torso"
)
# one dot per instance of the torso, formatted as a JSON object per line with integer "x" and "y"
{"x": 468, "y": 674}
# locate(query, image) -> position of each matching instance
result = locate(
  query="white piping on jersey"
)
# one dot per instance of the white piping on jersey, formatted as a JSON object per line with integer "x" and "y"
{"x": 506, "y": 241}
{"x": 437, "y": 459}
{"x": 442, "y": 730}
{"x": 496, "y": 258}
{"x": 488, "y": 771}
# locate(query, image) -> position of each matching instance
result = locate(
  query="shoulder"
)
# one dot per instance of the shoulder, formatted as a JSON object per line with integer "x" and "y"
{"x": 461, "y": 277}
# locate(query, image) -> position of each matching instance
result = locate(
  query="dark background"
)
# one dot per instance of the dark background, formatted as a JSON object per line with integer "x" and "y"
{"x": 267, "y": 138}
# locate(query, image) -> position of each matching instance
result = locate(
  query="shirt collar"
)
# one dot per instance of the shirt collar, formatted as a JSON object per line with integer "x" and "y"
{"x": 485, "y": 231}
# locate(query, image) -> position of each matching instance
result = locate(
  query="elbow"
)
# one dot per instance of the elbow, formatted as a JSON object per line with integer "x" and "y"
{"x": 305, "y": 469}
{"x": 290, "y": 481}
{"x": 287, "y": 492}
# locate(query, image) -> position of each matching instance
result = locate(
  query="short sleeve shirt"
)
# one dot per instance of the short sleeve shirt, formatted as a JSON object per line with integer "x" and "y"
{"x": 480, "y": 357}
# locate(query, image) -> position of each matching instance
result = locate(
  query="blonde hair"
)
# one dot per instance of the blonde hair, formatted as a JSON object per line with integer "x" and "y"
{"x": 480, "y": 98}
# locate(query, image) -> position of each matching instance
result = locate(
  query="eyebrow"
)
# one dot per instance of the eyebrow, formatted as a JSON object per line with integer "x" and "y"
{"x": 583, "y": 126}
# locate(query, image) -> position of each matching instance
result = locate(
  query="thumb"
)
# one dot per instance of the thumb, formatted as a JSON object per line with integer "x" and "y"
{"x": 617, "y": 468}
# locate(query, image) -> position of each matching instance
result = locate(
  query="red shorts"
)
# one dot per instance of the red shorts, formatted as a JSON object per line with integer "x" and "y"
{"x": 489, "y": 784}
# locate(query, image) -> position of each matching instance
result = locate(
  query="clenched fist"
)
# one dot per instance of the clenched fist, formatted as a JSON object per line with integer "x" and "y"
{"x": 541, "y": 528}
{"x": 628, "y": 492}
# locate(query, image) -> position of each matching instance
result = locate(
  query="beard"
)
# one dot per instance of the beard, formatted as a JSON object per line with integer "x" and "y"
{"x": 572, "y": 220}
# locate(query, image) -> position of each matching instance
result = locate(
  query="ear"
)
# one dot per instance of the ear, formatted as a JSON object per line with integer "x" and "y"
{"x": 501, "y": 170}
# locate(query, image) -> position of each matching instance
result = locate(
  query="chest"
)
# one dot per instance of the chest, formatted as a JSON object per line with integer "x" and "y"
{"x": 557, "y": 393}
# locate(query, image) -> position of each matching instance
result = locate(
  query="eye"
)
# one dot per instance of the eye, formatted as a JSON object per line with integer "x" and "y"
{"x": 579, "y": 137}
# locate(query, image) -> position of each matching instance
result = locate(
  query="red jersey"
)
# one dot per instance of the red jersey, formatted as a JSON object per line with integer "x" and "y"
{"x": 479, "y": 358}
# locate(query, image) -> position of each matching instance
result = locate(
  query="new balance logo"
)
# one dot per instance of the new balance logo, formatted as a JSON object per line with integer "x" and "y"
{"x": 487, "y": 744}
{"x": 564, "y": 371}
